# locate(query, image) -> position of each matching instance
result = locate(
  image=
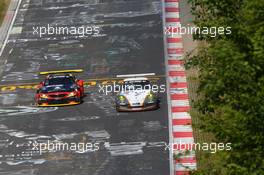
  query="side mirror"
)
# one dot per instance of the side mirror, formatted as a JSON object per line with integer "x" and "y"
{"x": 40, "y": 84}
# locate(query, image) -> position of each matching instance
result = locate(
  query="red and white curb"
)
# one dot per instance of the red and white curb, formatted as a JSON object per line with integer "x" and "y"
{"x": 184, "y": 159}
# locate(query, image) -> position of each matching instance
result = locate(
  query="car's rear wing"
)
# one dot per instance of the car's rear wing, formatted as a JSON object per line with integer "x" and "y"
{"x": 135, "y": 75}
{"x": 61, "y": 71}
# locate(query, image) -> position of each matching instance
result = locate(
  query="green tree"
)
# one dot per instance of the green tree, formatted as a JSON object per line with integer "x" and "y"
{"x": 231, "y": 86}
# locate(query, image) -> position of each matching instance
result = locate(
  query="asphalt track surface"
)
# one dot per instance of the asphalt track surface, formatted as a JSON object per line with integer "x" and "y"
{"x": 130, "y": 41}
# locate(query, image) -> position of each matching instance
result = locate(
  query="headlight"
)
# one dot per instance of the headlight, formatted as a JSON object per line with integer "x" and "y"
{"x": 43, "y": 96}
{"x": 150, "y": 98}
{"x": 122, "y": 100}
{"x": 72, "y": 94}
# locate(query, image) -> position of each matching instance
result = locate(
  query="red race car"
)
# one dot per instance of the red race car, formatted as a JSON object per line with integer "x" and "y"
{"x": 60, "y": 88}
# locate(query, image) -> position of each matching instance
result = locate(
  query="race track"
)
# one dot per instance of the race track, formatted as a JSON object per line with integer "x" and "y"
{"x": 130, "y": 41}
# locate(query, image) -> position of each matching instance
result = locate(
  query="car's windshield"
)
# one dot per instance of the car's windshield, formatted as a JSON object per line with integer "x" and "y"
{"x": 57, "y": 88}
{"x": 137, "y": 85}
{"x": 59, "y": 81}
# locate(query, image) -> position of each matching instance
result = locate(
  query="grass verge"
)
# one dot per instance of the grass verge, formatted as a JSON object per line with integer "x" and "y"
{"x": 200, "y": 137}
{"x": 3, "y": 8}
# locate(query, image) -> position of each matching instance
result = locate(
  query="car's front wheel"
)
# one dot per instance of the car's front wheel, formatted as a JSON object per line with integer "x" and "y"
{"x": 118, "y": 109}
{"x": 78, "y": 99}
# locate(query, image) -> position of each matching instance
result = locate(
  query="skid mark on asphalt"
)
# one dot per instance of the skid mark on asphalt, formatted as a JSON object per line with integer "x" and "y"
{"x": 125, "y": 148}
{"x": 100, "y": 135}
{"x": 24, "y": 110}
{"x": 77, "y": 118}
{"x": 104, "y": 102}
{"x": 7, "y": 99}
{"x": 34, "y": 161}
{"x": 152, "y": 126}
{"x": 22, "y": 76}
{"x": 131, "y": 148}
{"x": 31, "y": 156}
{"x": 27, "y": 153}
{"x": 23, "y": 153}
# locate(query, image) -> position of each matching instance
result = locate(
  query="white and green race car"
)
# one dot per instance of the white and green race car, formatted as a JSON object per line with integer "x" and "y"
{"x": 136, "y": 94}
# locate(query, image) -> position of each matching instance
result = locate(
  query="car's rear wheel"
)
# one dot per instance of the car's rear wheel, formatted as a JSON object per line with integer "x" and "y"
{"x": 118, "y": 109}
